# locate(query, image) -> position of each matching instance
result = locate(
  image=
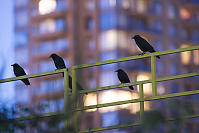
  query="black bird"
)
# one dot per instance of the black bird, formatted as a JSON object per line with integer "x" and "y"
{"x": 19, "y": 71}
{"x": 144, "y": 45}
{"x": 58, "y": 61}
{"x": 59, "y": 64}
{"x": 123, "y": 77}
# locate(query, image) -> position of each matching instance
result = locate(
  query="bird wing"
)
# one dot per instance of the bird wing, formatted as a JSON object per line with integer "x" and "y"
{"x": 59, "y": 63}
{"x": 144, "y": 45}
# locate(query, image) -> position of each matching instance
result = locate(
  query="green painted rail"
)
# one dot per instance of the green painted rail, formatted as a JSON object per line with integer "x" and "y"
{"x": 74, "y": 110}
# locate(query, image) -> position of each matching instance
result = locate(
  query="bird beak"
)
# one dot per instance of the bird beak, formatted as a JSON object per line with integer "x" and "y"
{"x": 132, "y": 37}
{"x": 116, "y": 71}
{"x": 11, "y": 65}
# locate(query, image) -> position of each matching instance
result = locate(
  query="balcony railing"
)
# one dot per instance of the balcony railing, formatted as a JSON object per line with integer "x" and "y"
{"x": 67, "y": 108}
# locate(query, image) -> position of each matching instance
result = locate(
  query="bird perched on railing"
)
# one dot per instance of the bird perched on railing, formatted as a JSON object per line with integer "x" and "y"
{"x": 19, "y": 71}
{"x": 144, "y": 45}
{"x": 123, "y": 77}
{"x": 59, "y": 64}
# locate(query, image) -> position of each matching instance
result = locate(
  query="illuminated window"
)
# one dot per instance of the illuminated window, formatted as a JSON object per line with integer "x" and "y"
{"x": 125, "y": 4}
{"x": 184, "y": 13}
{"x": 47, "y": 6}
{"x": 141, "y": 6}
{"x": 90, "y": 99}
{"x": 49, "y": 25}
{"x": 146, "y": 87}
{"x": 196, "y": 57}
{"x": 108, "y": 40}
{"x": 185, "y": 56}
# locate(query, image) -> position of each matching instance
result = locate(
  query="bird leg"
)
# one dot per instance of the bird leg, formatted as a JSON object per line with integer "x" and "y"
{"x": 142, "y": 53}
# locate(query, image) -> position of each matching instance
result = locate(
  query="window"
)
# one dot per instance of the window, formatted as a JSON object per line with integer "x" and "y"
{"x": 21, "y": 38}
{"x": 21, "y": 18}
{"x": 196, "y": 36}
{"x": 158, "y": 26}
{"x": 61, "y": 5}
{"x": 108, "y": 21}
{"x": 51, "y": 85}
{"x": 157, "y": 8}
{"x": 122, "y": 21}
{"x": 46, "y": 66}
{"x": 22, "y": 55}
{"x": 92, "y": 45}
{"x": 108, "y": 78}
{"x": 90, "y": 4}
{"x": 89, "y": 23}
{"x": 172, "y": 30}
{"x": 51, "y": 25}
{"x": 55, "y": 45}
{"x": 47, "y": 6}
{"x": 60, "y": 24}
{"x": 141, "y": 6}
{"x": 21, "y": 3}
{"x": 108, "y": 40}
{"x": 172, "y": 11}
{"x": 184, "y": 13}
{"x": 106, "y": 4}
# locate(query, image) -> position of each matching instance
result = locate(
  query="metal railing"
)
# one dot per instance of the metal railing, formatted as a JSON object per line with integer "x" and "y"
{"x": 140, "y": 100}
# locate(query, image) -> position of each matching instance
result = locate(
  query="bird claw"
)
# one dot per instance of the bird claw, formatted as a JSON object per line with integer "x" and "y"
{"x": 142, "y": 53}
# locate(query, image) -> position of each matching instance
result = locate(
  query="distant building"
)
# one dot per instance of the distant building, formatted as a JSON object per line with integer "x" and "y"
{"x": 85, "y": 31}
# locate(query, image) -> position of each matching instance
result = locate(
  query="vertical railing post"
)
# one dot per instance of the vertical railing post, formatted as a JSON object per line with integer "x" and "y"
{"x": 66, "y": 99}
{"x": 153, "y": 72}
{"x": 74, "y": 100}
{"x": 142, "y": 100}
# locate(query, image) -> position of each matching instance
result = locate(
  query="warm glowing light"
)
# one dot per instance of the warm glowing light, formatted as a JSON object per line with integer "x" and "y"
{"x": 160, "y": 90}
{"x": 107, "y": 97}
{"x": 196, "y": 57}
{"x": 185, "y": 56}
{"x": 184, "y": 14}
{"x": 90, "y": 99}
{"x": 47, "y": 6}
{"x": 141, "y": 6}
{"x": 48, "y": 25}
{"x": 114, "y": 96}
{"x": 125, "y": 4}
{"x": 146, "y": 87}
{"x": 109, "y": 40}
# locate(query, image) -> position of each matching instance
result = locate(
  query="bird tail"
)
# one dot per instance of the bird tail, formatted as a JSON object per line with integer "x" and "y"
{"x": 131, "y": 87}
{"x": 158, "y": 57}
{"x": 154, "y": 51}
{"x": 26, "y": 81}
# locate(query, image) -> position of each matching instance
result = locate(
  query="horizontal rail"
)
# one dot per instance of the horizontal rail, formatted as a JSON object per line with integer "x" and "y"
{"x": 138, "y": 100}
{"x": 23, "y": 118}
{"x": 139, "y": 82}
{"x": 32, "y": 75}
{"x": 136, "y": 57}
{"x": 134, "y": 124}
